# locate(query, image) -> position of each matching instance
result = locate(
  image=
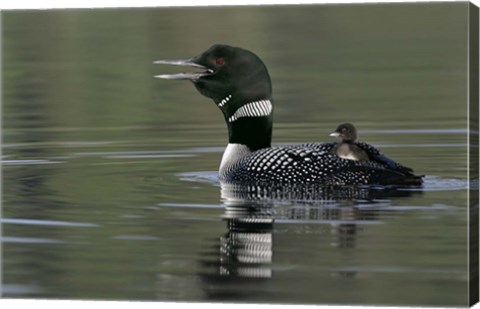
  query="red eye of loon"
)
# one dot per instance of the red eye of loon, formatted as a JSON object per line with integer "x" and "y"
{"x": 220, "y": 61}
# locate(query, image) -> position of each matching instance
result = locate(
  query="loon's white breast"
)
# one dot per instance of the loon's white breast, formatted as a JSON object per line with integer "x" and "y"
{"x": 233, "y": 154}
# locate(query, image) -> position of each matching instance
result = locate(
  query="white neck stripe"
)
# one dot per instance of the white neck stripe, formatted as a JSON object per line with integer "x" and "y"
{"x": 225, "y": 100}
{"x": 252, "y": 109}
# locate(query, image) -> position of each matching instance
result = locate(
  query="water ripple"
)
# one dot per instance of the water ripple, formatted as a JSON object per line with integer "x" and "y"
{"x": 29, "y": 162}
{"x": 190, "y": 151}
{"x": 327, "y": 222}
{"x": 20, "y": 289}
{"x": 45, "y": 222}
{"x": 424, "y": 131}
{"x": 204, "y": 176}
{"x": 136, "y": 237}
{"x": 190, "y": 205}
{"x": 433, "y": 183}
{"x": 398, "y": 269}
{"x": 30, "y": 240}
{"x": 150, "y": 156}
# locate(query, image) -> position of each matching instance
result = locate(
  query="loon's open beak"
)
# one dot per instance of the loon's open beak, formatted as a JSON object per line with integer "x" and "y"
{"x": 186, "y": 75}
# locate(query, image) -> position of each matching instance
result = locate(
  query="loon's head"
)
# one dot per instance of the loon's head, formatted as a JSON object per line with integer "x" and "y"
{"x": 239, "y": 84}
{"x": 346, "y": 131}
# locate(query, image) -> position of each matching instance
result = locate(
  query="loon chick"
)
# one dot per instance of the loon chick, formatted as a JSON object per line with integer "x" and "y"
{"x": 239, "y": 84}
{"x": 347, "y": 149}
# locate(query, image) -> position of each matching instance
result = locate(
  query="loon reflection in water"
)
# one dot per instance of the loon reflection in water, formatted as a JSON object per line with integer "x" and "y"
{"x": 245, "y": 255}
{"x": 239, "y": 84}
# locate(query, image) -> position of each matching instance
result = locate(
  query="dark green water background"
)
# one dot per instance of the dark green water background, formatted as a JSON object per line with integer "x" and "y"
{"x": 104, "y": 166}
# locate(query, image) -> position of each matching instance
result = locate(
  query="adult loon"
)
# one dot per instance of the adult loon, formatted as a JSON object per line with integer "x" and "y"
{"x": 346, "y": 148}
{"x": 239, "y": 84}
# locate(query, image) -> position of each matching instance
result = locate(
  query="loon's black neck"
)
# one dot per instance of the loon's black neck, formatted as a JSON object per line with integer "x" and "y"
{"x": 249, "y": 121}
{"x": 256, "y": 133}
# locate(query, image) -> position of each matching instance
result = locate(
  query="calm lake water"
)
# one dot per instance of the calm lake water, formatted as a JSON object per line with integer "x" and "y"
{"x": 109, "y": 176}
